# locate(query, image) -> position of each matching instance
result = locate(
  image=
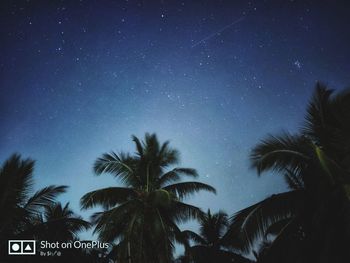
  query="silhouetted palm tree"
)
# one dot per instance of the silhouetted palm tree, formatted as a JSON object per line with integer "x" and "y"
{"x": 209, "y": 244}
{"x": 308, "y": 221}
{"x": 143, "y": 215}
{"x": 59, "y": 224}
{"x": 19, "y": 206}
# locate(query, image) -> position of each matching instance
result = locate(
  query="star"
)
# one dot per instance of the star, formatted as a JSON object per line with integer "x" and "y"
{"x": 297, "y": 64}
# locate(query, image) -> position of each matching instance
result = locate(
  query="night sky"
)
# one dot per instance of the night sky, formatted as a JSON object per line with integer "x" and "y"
{"x": 78, "y": 78}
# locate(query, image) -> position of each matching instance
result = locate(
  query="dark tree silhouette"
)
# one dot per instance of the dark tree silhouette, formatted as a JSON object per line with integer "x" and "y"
{"x": 209, "y": 244}
{"x": 311, "y": 221}
{"x": 59, "y": 224}
{"x": 143, "y": 215}
{"x": 19, "y": 205}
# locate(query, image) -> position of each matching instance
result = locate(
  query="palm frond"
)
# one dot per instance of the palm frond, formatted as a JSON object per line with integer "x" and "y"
{"x": 16, "y": 180}
{"x": 57, "y": 222}
{"x": 213, "y": 226}
{"x": 184, "y": 189}
{"x": 168, "y": 155}
{"x": 44, "y": 197}
{"x": 331, "y": 168}
{"x": 119, "y": 165}
{"x": 72, "y": 224}
{"x": 293, "y": 179}
{"x": 112, "y": 223}
{"x": 252, "y": 222}
{"x": 181, "y": 212}
{"x": 276, "y": 228}
{"x": 176, "y": 174}
{"x": 327, "y": 122}
{"x": 190, "y": 235}
{"x": 107, "y": 197}
{"x": 177, "y": 233}
{"x": 319, "y": 116}
{"x": 281, "y": 152}
{"x": 151, "y": 145}
{"x": 138, "y": 144}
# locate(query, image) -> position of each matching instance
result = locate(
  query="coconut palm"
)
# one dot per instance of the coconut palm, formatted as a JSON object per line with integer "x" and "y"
{"x": 315, "y": 163}
{"x": 17, "y": 198}
{"x": 209, "y": 244}
{"x": 142, "y": 216}
{"x": 20, "y": 206}
{"x": 59, "y": 223}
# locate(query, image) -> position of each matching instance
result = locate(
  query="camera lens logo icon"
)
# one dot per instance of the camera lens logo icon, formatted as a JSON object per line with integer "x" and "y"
{"x": 21, "y": 247}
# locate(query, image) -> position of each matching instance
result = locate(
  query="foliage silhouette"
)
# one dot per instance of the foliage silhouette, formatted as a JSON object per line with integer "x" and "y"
{"x": 308, "y": 223}
{"x": 315, "y": 164}
{"x": 22, "y": 206}
{"x": 143, "y": 215}
{"x": 35, "y": 215}
{"x": 209, "y": 244}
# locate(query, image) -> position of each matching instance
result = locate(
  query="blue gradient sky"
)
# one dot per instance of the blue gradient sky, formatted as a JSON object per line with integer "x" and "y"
{"x": 78, "y": 78}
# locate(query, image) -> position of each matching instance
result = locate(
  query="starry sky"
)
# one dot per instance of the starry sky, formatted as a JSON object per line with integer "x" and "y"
{"x": 78, "y": 78}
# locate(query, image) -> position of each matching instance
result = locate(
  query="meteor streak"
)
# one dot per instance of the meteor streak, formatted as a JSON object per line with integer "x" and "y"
{"x": 217, "y": 32}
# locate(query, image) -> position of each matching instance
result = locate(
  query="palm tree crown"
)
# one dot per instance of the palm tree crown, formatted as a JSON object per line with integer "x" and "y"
{"x": 59, "y": 223}
{"x": 212, "y": 228}
{"x": 315, "y": 164}
{"x": 143, "y": 214}
{"x": 210, "y": 245}
{"x": 16, "y": 183}
{"x": 20, "y": 207}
